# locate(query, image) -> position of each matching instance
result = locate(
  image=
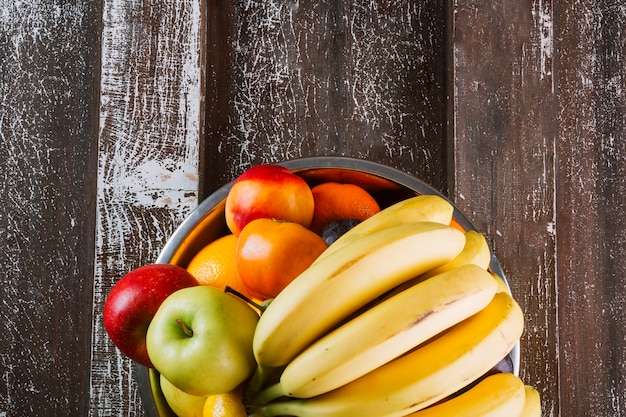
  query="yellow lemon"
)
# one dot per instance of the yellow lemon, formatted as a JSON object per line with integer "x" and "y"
{"x": 229, "y": 404}
{"x": 181, "y": 403}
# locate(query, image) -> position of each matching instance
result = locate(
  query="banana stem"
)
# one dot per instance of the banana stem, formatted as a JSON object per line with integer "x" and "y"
{"x": 283, "y": 408}
{"x": 258, "y": 380}
{"x": 270, "y": 393}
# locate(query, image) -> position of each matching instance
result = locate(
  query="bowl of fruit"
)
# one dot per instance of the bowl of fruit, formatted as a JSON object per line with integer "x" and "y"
{"x": 324, "y": 286}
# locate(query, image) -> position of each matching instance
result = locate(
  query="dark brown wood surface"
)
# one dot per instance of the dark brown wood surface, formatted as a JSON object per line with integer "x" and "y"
{"x": 504, "y": 171}
{"x": 540, "y": 163}
{"x": 291, "y": 79}
{"x": 49, "y": 82}
{"x": 118, "y": 117}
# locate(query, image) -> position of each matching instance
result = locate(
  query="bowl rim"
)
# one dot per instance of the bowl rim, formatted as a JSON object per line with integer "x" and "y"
{"x": 147, "y": 379}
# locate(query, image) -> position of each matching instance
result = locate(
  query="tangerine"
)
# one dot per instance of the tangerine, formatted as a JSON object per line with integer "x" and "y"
{"x": 271, "y": 253}
{"x": 215, "y": 265}
{"x": 337, "y": 201}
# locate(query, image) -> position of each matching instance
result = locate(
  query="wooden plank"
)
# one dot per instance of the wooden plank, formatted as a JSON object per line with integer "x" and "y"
{"x": 591, "y": 221}
{"x": 540, "y": 164}
{"x": 293, "y": 79}
{"x": 504, "y": 173}
{"x": 150, "y": 124}
{"x": 49, "y": 65}
{"x": 129, "y": 34}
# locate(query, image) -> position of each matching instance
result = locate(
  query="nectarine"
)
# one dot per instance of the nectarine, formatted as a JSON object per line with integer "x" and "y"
{"x": 268, "y": 191}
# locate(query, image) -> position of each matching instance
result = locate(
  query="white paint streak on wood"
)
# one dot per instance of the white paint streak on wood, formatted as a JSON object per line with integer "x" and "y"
{"x": 542, "y": 16}
{"x": 150, "y": 124}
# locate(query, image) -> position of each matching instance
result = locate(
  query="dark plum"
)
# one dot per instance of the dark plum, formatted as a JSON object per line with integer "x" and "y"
{"x": 505, "y": 365}
{"x": 336, "y": 228}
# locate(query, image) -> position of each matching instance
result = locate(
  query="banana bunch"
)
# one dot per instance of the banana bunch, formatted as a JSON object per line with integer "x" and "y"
{"x": 400, "y": 316}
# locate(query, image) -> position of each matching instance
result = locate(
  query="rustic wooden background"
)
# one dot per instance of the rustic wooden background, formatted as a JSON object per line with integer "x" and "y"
{"x": 117, "y": 117}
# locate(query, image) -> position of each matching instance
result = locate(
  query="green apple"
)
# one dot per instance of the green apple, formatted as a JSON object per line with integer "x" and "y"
{"x": 181, "y": 403}
{"x": 200, "y": 340}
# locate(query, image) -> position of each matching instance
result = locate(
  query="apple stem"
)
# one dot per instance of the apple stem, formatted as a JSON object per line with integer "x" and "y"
{"x": 183, "y": 326}
{"x": 248, "y": 300}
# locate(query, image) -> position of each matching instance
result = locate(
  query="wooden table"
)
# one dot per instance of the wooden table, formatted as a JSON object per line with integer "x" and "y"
{"x": 117, "y": 117}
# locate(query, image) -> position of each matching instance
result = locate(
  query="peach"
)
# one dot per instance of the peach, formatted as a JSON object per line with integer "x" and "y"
{"x": 268, "y": 191}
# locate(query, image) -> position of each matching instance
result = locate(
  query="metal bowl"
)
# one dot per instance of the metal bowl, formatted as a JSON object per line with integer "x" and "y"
{"x": 206, "y": 223}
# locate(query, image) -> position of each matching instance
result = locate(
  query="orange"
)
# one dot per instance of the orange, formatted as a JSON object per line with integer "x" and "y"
{"x": 215, "y": 265}
{"x": 271, "y": 253}
{"x": 454, "y": 223}
{"x": 336, "y": 201}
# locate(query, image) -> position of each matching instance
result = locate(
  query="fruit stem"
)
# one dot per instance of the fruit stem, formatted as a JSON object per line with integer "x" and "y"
{"x": 258, "y": 380}
{"x": 260, "y": 307}
{"x": 282, "y": 408}
{"x": 268, "y": 394}
{"x": 183, "y": 326}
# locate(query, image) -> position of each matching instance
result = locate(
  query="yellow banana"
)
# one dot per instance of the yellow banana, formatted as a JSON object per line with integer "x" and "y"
{"x": 532, "y": 407}
{"x": 497, "y": 395}
{"x": 420, "y": 378}
{"x": 502, "y": 286}
{"x": 422, "y": 208}
{"x": 384, "y": 332}
{"x": 331, "y": 289}
{"x": 476, "y": 251}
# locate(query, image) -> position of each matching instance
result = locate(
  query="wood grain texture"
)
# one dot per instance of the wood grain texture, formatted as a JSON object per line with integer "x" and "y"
{"x": 288, "y": 79}
{"x": 504, "y": 162}
{"x": 116, "y": 117}
{"x": 48, "y": 126}
{"x": 539, "y": 151}
{"x": 591, "y": 210}
{"x": 150, "y": 122}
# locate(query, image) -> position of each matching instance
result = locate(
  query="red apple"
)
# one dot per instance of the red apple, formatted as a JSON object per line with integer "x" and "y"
{"x": 133, "y": 301}
{"x": 268, "y": 191}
